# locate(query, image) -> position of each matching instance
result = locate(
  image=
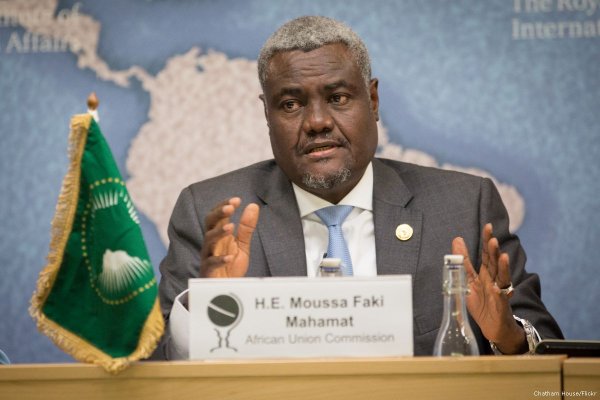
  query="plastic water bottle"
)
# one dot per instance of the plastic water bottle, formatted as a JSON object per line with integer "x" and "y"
{"x": 455, "y": 337}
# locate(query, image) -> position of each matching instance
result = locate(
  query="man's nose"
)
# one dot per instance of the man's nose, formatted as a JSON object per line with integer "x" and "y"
{"x": 317, "y": 119}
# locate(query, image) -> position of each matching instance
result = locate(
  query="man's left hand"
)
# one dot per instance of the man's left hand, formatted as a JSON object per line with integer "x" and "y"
{"x": 486, "y": 302}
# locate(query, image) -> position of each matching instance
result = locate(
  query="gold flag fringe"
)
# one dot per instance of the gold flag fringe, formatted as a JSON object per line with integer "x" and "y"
{"x": 62, "y": 224}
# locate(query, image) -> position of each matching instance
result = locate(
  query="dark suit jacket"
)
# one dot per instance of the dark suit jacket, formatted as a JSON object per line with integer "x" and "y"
{"x": 439, "y": 205}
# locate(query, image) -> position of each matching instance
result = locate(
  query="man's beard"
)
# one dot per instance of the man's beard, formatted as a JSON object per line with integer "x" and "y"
{"x": 326, "y": 181}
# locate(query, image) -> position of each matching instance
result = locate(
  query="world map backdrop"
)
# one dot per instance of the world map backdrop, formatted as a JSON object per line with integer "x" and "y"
{"x": 503, "y": 88}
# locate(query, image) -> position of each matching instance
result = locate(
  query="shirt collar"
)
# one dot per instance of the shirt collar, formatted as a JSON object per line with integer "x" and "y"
{"x": 361, "y": 196}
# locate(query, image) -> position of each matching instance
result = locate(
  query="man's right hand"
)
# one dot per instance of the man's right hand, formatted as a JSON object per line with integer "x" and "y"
{"x": 225, "y": 255}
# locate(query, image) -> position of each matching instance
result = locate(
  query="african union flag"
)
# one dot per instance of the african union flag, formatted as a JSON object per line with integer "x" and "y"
{"x": 96, "y": 297}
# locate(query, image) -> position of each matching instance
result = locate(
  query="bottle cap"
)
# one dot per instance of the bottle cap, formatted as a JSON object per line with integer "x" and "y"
{"x": 453, "y": 259}
{"x": 331, "y": 262}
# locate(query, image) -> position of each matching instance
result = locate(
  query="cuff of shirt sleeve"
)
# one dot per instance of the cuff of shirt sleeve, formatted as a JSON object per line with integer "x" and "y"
{"x": 177, "y": 347}
{"x": 532, "y": 335}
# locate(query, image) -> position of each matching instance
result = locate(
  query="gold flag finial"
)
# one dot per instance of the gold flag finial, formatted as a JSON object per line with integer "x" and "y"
{"x": 92, "y": 101}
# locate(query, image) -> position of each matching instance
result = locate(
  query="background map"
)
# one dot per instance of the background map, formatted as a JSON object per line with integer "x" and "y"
{"x": 504, "y": 88}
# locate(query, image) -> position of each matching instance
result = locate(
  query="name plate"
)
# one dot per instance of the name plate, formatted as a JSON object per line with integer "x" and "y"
{"x": 300, "y": 317}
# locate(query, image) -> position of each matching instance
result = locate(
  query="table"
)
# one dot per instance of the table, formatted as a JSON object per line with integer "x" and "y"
{"x": 380, "y": 378}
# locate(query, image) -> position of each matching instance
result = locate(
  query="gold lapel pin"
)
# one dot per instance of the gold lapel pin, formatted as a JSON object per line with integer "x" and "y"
{"x": 404, "y": 232}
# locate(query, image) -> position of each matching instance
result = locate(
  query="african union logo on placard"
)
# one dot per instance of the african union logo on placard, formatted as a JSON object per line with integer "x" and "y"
{"x": 225, "y": 312}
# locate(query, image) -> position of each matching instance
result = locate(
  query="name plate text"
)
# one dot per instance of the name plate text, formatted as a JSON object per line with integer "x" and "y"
{"x": 300, "y": 317}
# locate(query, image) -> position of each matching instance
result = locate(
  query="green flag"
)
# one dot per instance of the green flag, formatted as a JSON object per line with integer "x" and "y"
{"x": 97, "y": 296}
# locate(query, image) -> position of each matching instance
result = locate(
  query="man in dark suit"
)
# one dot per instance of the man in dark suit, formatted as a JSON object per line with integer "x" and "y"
{"x": 321, "y": 106}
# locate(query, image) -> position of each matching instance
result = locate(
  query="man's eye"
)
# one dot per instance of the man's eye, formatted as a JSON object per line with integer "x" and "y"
{"x": 290, "y": 105}
{"x": 339, "y": 99}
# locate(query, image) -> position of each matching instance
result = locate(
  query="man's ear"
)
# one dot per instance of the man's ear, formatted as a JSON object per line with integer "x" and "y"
{"x": 374, "y": 96}
{"x": 262, "y": 98}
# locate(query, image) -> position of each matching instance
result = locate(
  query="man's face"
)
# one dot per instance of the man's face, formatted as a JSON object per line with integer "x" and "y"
{"x": 322, "y": 119}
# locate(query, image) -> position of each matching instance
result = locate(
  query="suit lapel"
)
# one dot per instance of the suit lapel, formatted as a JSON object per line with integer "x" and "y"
{"x": 390, "y": 199}
{"x": 280, "y": 227}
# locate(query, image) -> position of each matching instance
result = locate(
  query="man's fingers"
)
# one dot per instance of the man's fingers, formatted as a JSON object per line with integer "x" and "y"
{"x": 247, "y": 225}
{"x": 494, "y": 253}
{"x": 221, "y": 249}
{"x": 218, "y": 226}
{"x": 220, "y": 214}
{"x": 503, "y": 279}
{"x": 216, "y": 236}
{"x": 460, "y": 247}
{"x": 486, "y": 235}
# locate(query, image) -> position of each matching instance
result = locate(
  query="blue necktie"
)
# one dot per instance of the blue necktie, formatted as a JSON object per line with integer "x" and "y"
{"x": 333, "y": 217}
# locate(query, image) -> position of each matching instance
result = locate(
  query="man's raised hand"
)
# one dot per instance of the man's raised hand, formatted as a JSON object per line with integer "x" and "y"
{"x": 487, "y": 303}
{"x": 225, "y": 254}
